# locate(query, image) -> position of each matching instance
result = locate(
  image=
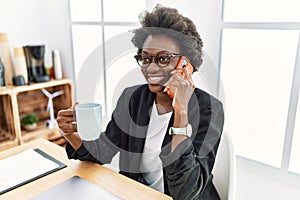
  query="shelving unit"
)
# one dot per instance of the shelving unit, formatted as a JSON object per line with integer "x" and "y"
{"x": 16, "y": 101}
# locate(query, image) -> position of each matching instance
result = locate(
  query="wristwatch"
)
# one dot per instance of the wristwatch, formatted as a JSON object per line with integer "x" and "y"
{"x": 187, "y": 131}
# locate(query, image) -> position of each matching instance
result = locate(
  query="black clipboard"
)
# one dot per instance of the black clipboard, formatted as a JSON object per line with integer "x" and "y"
{"x": 60, "y": 166}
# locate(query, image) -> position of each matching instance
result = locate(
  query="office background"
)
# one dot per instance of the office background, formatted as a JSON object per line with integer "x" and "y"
{"x": 253, "y": 45}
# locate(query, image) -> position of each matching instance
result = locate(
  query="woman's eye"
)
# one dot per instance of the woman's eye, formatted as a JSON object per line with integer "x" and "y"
{"x": 145, "y": 60}
{"x": 164, "y": 59}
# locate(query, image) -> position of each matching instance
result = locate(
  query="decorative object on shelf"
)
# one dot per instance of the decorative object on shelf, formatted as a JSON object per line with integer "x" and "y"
{"x": 51, "y": 123}
{"x": 35, "y": 63}
{"x": 49, "y": 63}
{"x": 57, "y": 64}
{"x": 20, "y": 63}
{"x": 6, "y": 58}
{"x": 2, "y": 74}
{"x": 29, "y": 122}
{"x": 18, "y": 80}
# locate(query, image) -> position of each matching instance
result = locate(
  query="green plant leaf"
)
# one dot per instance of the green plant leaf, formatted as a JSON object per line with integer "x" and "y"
{"x": 29, "y": 119}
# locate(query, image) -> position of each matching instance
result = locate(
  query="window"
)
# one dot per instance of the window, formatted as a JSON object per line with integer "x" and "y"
{"x": 257, "y": 71}
{"x": 259, "y": 61}
{"x": 295, "y": 160}
{"x": 123, "y": 11}
{"x": 261, "y": 11}
{"x": 97, "y": 26}
{"x": 89, "y": 10}
{"x": 86, "y": 38}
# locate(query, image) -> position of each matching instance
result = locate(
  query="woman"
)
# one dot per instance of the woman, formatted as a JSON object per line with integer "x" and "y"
{"x": 166, "y": 141}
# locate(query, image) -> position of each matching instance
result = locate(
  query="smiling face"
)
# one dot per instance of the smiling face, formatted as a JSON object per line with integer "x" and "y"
{"x": 155, "y": 75}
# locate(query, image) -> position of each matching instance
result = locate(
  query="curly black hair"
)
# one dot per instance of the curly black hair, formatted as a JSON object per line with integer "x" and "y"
{"x": 164, "y": 20}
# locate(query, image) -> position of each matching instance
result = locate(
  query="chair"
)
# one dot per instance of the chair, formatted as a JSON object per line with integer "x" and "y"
{"x": 224, "y": 170}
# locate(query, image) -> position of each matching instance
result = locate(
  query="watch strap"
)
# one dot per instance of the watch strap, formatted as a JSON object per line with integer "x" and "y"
{"x": 186, "y": 131}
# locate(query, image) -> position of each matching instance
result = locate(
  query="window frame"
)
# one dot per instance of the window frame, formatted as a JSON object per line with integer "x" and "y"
{"x": 283, "y": 174}
{"x": 102, "y": 23}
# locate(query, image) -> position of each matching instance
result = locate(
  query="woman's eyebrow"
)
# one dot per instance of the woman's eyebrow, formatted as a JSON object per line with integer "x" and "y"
{"x": 164, "y": 51}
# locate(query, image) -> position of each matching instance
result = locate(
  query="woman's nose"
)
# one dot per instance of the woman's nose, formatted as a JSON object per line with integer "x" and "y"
{"x": 153, "y": 67}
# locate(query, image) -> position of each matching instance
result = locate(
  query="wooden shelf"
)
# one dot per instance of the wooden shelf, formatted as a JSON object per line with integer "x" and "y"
{"x": 7, "y": 144}
{"x": 34, "y": 86}
{"x": 17, "y": 101}
{"x": 40, "y": 132}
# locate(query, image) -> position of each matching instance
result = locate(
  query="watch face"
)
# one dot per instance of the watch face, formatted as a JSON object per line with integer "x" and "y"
{"x": 189, "y": 130}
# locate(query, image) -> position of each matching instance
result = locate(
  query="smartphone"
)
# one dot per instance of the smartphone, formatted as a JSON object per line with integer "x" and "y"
{"x": 182, "y": 63}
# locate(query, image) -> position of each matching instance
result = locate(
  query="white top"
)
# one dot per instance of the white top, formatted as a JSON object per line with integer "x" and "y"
{"x": 151, "y": 165}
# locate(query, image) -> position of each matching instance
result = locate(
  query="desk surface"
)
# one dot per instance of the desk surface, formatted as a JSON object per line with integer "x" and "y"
{"x": 112, "y": 181}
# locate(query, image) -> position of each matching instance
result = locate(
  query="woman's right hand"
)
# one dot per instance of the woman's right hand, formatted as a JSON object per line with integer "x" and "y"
{"x": 65, "y": 120}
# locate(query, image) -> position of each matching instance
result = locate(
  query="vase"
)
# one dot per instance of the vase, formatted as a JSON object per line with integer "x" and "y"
{"x": 30, "y": 127}
{"x": 6, "y": 58}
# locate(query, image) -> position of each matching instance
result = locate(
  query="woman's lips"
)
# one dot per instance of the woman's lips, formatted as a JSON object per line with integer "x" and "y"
{"x": 155, "y": 80}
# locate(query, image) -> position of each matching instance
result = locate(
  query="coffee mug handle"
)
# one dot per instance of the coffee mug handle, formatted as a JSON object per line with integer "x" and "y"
{"x": 74, "y": 113}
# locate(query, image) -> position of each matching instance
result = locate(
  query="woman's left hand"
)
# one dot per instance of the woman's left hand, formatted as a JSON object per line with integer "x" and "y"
{"x": 182, "y": 86}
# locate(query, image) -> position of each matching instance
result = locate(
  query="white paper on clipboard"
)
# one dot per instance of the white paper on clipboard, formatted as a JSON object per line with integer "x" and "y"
{"x": 24, "y": 167}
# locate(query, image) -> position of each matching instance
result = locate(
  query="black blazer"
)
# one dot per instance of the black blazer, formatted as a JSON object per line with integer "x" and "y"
{"x": 187, "y": 170}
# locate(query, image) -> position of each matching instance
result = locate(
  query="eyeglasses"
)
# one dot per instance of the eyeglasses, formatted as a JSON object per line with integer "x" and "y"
{"x": 162, "y": 59}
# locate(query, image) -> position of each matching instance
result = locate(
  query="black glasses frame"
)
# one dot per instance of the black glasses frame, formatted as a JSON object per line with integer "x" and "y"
{"x": 139, "y": 59}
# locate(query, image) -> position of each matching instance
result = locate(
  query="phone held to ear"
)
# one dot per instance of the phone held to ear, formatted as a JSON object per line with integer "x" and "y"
{"x": 182, "y": 63}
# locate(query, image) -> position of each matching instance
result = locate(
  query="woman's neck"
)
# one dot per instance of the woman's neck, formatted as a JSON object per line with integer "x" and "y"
{"x": 163, "y": 103}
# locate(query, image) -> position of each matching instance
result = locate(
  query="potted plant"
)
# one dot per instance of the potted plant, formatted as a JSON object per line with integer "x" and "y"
{"x": 29, "y": 121}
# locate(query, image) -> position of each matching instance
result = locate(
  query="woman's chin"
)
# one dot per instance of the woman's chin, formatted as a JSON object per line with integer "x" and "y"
{"x": 155, "y": 88}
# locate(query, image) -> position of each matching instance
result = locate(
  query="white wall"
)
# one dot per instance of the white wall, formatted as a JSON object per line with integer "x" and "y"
{"x": 33, "y": 22}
